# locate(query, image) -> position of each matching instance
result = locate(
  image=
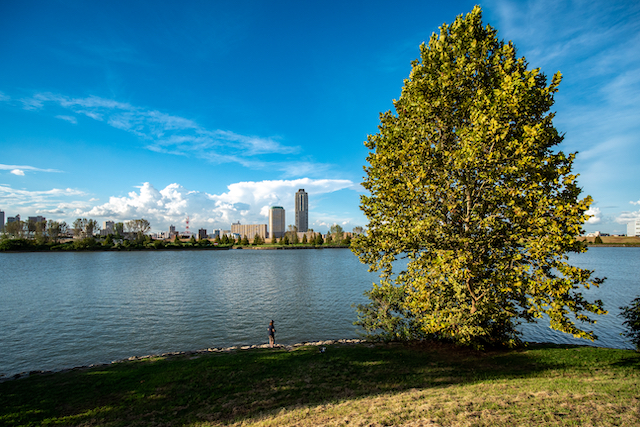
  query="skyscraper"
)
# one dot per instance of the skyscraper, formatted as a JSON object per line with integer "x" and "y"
{"x": 276, "y": 222}
{"x": 302, "y": 211}
{"x": 1, "y": 221}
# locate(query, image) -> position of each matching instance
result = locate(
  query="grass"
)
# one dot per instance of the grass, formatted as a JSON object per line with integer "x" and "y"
{"x": 364, "y": 384}
{"x": 613, "y": 240}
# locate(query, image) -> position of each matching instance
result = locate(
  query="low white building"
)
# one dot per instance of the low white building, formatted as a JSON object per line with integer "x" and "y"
{"x": 633, "y": 228}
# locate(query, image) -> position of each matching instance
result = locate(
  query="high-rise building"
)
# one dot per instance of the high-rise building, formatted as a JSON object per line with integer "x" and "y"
{"x": 302, "y": 211}
{"x": 276, "y": 222}
{"x": 1, "y": 221}
{"x": 633, "y": 228}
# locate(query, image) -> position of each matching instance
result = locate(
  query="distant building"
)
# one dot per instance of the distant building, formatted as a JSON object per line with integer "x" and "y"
{"x": 633, "y": 228}
{"x": 276, "y": 222}
{"x": 302, "y": 211}
{"x": 249, "y": 230}
{"x": 202, "y": 233}
{"x": 37, "y": 219}
{"x": 13, "y": 219}
{"x": 310, "y": 235}
{"x": 1, "y": 221}
{"x": 172, "y": 231}
{"x": 107, "y": 228}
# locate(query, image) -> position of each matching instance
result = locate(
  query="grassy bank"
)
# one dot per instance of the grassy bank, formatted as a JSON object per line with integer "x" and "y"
{"x": 612, "y": 241}
{"x": 360, "y": 384}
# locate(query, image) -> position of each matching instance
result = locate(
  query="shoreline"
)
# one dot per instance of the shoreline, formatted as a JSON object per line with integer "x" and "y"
{"x": 173, "y": 249}
{"x": 197, "y": 353}
{"x": 171, "y": 354}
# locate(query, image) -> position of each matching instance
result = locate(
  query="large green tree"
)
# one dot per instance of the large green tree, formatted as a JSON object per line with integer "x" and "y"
{"x": 15, "y": 229}
{"x": 466, "y": 182}
{"x": 337, "y": 233}
{"x": 55, "y": 229}
{"x": 137, "y": 228}
{"x": 85, "y": 228}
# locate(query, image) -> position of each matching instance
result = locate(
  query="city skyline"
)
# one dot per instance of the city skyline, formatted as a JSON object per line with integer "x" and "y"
{"x": 219, "y": 111}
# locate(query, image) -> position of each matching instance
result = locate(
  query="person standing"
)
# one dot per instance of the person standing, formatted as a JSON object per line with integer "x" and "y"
{"x": 272, "y": 334}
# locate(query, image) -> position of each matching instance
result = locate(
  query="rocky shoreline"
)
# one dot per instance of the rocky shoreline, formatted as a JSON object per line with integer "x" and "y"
{"x": 188, "y": 353}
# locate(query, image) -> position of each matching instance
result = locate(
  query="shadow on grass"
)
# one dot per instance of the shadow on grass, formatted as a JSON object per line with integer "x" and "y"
{"x": 222, "y": 388}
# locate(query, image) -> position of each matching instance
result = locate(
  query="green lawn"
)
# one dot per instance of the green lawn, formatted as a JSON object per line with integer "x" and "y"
{"x": 364, "y": 384}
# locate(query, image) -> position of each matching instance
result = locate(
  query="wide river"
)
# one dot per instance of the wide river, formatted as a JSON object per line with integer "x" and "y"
{"x": 60, "y": 310}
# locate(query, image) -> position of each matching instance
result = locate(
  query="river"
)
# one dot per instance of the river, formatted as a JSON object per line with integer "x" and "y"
{"x": 66, "y": 309}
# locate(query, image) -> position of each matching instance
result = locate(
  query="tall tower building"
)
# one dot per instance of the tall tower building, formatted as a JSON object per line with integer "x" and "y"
{"x": 1, "y": 221}
{"x": 302, "y": 211}
{"x": 276, "y": 222}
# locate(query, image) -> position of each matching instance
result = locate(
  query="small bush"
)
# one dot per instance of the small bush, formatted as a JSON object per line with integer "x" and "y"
{"x": 631, "y": 314}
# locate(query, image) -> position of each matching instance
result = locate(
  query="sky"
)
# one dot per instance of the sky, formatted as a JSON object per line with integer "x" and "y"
{"x": 217, "y": 110}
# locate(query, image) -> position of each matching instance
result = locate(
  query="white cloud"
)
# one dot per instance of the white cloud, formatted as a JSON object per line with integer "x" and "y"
{"x": 626, "y": 217}
{"x": 69, "y": 119}
{"x": 19, "y": 170}
{"x": 595, "y": 218}
{"x": 8, "y": 192}
{"x": 247, "y": 202}
{"x": 167, "y": 133}
{"x": 54, "y": 201}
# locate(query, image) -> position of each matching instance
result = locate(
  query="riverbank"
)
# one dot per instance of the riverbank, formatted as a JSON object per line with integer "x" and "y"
{"x": 612, "y": 241}
{"x": 24, "y": 245}
{"x": 339, "y": 383}
{"x": 289, "y": 347}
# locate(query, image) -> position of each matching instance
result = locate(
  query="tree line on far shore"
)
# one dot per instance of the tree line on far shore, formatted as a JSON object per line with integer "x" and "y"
{"x": 132, "y": 235}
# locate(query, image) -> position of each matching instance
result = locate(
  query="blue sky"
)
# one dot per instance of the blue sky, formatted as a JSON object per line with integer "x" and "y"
{"x": 218, "y": 110}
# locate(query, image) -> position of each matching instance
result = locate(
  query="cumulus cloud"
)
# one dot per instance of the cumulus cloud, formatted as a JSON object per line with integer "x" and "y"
{"x": 247, "y": 202}
{"x": 595, "y": 216}
{"x": 18, "y": 172}
{"x": 56, "y": 201}
{"x": 627, "y": 216}
{"x": 165, "y": 133}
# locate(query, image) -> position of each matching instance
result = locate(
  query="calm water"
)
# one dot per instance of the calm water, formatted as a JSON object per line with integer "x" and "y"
{"x": 62, "y": 310}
